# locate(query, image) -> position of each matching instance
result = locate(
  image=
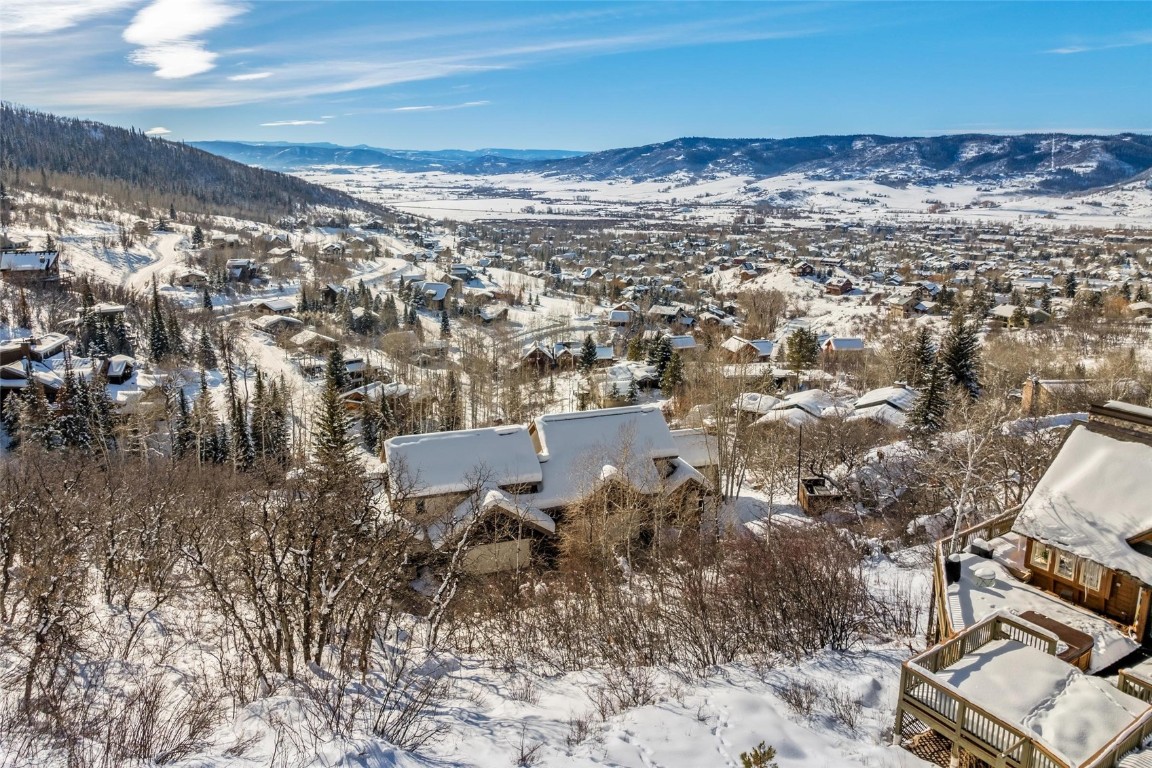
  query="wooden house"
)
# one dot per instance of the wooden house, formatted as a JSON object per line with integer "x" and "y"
{"x": 1087, "y": 523}
{"x": 516, "y": 482}
{"x": 29, "y": 267}
{"x": 838, "y": 286}
{"x": 1075, "y": 555}
{"x": 190, "y": 278}
{"x": 803, "y": 269}
{"x": 741, "y": 350}
{"x": 274, "y": 306}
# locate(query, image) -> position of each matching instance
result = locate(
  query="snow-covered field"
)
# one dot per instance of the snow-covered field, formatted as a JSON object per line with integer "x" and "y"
{"x": 533, "y": 196}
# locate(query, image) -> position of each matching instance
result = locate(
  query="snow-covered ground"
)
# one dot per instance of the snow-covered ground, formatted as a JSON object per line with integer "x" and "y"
{"x": 531, "y": 196}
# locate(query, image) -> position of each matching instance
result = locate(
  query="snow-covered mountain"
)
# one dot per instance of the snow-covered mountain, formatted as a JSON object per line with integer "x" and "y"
{"x": 1052, "y": 162}
{"x": 1055, "y": 162}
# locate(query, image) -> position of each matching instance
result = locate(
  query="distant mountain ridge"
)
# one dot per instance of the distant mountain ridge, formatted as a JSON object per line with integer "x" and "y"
{"x": 292, "y": 156}
{"x": 1053, "y": 162}
{"x": 106, "y": 158}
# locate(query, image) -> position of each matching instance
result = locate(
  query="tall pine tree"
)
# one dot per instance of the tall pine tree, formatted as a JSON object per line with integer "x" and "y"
{"x": 960, "y": 354}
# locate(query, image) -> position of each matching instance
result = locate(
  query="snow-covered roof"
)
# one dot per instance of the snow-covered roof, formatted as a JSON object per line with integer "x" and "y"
{"x": 374, "y": 390}
{"x": 1093, "y": 499}
{"x": 900, "y": 398}
{"x": 755, "y": 402}
{"x": 844, "y": 344}
{"x": 489, "y": 498}
{"x": 881, "y": 414}
{"x": 682, "y": 342}
{"x": 696, "y": 447}
{"x": 276, "y": 305}
{"x": 763, "y": 347}
{"x": 580, "y": 450}
{"x": 814, "y": 401}
{"x": 451, "y": 462}
{"x": 266, "y": 322}
{"x": 1072, "y": 713}
{"x": 310, "y": 337}
{"x": 26, "y": 261}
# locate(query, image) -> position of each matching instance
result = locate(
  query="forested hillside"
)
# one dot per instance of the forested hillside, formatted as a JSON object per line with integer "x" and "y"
{"x": 129, "y": 166}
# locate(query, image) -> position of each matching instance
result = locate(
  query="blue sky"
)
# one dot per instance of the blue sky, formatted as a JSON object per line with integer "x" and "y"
{"x": 578, "y": 75}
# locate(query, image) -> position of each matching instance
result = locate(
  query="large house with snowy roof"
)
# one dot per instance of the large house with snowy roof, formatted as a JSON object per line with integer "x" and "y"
{"x": 1076, "y": 556}
{"x": 505, "y": 490}
{"x": 29, "y": 267}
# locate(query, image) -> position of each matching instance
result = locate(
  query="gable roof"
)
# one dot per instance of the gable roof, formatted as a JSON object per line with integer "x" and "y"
{"x": 582, "y": 449}
{"x": 1094, "y": 498}
{"x": 452, "y": 462}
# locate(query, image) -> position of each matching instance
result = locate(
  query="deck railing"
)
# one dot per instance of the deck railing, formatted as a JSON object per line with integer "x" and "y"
{"x": 989, "y": 529}
{"x": 981, "y": 733}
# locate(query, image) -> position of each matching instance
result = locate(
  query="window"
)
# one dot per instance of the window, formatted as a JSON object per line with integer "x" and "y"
{"x": 1065, "y": 565}
{"x": 1091, "y": 574}
{"x": 1041, "y": 556}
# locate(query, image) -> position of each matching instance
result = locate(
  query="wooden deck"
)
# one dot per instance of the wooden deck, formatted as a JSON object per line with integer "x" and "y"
{"x": 974, "y": 733}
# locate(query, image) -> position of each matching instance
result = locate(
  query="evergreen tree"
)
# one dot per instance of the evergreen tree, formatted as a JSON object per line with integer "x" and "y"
{"x": 1019, "y": 317}
{"x": 157, "y": 330}
{"x": 635, "y": 349}
{"x": 802, "y": 349}
{"x": 445, "y": 328}
{"x": 336, "y": 370}
{"x": 175, "y": 337}
{"x": 1070, "y": 286}
{"x": 587, "y": 360}
{"x": 931, "y": 407}
{"x": 71, "y": 409}
{"x": 660, "y": 355}
{"x": 1046, "y": 301}
{"x": 370, "y": 427}
{"x": 183, "y": 434}
{"x": 915, "y": 357}
{"x": 390, "y": 319}
{"x": 980, "y": 302}
{"x": 673, "y": 377}
{"x": 205, "y": 354}
{"x": 960, "y": 354}
{"x": 197, "y": 237}
{"x": 331, "y": 434}
{"x": 1141, "y": 293}
{"x": 206, "y": 299}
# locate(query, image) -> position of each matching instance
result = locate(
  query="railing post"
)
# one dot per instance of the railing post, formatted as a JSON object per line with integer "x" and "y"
{"x": 898, "y": 728}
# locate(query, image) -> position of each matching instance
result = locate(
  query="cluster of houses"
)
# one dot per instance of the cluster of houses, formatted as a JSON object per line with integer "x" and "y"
{"x": 40, "y": 362}
{"x": 1040, "y": 615}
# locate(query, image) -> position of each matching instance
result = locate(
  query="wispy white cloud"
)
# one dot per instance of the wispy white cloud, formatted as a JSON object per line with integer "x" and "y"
{"x": 1128, "y": 40}
{"x": 279, "y": 123}
{"x": 157, "y": 131}
{"x": 35, "y": 17}
{"x": 166, "y": 33}
{"x": 433, "y": 107}
{"x": 174, "y": 48}
{"x": 249, "y": 76}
